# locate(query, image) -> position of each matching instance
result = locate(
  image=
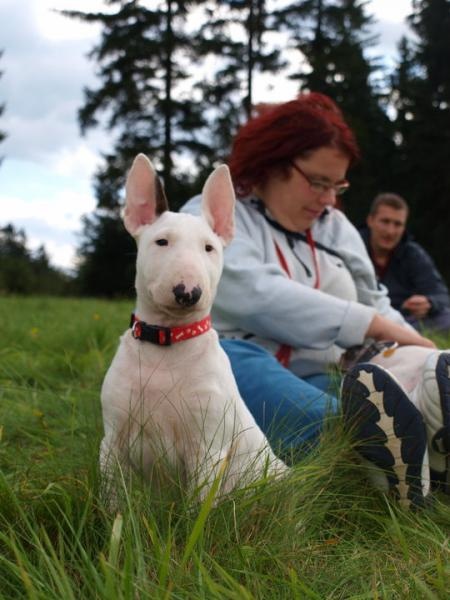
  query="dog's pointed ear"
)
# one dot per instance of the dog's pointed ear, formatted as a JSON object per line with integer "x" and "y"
{"x": 218, "y": 202}
{"x": 145, "y": 198}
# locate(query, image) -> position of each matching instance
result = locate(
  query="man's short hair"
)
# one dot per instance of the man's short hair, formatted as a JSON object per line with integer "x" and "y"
{"x": 394, "y": 201}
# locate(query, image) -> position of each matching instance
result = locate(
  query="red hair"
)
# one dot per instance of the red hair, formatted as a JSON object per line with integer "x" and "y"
{"x": 279, "y": 132}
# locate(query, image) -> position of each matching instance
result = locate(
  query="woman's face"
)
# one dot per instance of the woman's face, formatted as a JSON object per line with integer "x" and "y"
{"x": 298, "y": 199}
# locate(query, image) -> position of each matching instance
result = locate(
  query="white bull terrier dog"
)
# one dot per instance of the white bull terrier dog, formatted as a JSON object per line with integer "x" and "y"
{"x": 169, "y": 397}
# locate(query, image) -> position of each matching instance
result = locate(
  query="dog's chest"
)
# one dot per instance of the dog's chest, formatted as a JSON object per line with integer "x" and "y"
{"x": 191, "y": 373}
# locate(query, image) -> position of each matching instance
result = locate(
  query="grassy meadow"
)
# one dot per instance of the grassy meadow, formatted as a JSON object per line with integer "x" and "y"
{"x": 323, "y": 533}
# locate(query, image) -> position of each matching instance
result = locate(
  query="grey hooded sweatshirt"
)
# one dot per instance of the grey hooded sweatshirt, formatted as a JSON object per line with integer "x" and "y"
{"x": 316, "y": 293}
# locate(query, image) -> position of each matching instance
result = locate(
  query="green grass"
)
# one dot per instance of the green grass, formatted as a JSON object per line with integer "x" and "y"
{"x": 321, "y": 533}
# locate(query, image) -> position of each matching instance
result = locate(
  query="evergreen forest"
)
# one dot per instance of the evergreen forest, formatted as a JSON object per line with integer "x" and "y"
{"x": 175, "y": 79}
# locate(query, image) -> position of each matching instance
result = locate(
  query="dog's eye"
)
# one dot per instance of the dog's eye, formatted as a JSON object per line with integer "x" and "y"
{"x": 209, "y": 248}
{"x": 162, "y": 242}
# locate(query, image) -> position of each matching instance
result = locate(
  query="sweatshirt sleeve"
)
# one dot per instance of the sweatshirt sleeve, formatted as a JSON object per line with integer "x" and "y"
{"x": 345, "y": 238}
{"x": 256, "y": 296}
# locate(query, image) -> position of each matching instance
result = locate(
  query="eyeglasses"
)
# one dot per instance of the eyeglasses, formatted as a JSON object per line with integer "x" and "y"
{"x": 320, "y": 187}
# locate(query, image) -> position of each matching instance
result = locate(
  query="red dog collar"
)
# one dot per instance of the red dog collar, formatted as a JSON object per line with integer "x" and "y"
{"x": 165, "y": 336}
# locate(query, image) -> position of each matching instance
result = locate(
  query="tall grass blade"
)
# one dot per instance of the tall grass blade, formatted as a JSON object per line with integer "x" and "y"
{"x": 205, "y": 509}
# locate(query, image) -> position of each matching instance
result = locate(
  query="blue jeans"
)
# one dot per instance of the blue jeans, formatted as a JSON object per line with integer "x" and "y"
{"x": 289, "y": 410}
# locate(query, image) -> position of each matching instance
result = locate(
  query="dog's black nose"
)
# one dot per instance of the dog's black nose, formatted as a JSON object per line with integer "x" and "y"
{"x": 186, "y": 298}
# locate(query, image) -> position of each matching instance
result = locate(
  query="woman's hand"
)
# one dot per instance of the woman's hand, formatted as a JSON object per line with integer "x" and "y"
{"x": 381, "y": 328}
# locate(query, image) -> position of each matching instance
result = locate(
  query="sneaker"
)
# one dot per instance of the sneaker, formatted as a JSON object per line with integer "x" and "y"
{"x": 432, "y": 396}
{"x": 389, "y": 431}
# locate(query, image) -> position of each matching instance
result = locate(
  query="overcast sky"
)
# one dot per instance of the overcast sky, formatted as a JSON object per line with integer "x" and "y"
{"x": 45, "y": 177}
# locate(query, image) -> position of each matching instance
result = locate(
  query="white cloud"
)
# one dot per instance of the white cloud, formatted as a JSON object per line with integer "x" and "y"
{"x": 390, "y": 10}
{"x": 53, "y": 26}
{"x": 62, "y": 254}
{"x": 45, "y": 178}
{"x": 80, "y": 161}
{"x": 47, "y": 205}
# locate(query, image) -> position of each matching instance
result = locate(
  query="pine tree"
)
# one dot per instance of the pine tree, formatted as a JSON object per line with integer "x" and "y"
{"x": 145, "y": 58}
{"x": 26, "y": 272}
{"x": 108, "y": 256}
{"x": 233, "y": 38}
{"x": 141, "y": 58}
{"x": 421, "y": 91}
{"x": 404, "y": 89}
{"x": 333, "y": 38}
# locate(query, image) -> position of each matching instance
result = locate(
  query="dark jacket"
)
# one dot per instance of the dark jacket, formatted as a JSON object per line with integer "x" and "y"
{"x": 411, "y": 270}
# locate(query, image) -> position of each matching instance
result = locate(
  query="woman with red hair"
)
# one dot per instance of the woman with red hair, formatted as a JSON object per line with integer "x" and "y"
{"x": 298, "y": 289}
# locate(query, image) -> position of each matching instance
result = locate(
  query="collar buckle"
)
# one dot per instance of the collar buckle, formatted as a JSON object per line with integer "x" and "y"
{"x": 136, "y": 329}
{"x": 164, "y": 335}
{"x": 156, "y": 334}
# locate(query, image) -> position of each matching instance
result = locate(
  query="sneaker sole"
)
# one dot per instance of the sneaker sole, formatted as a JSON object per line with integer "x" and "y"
{"x": 389, "y": 430}
{"x": 440, "y": 442}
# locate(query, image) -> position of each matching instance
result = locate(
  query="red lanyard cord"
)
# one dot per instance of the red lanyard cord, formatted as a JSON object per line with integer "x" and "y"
{"x": 312, "y": 245}
{"x": 284, "y": 352}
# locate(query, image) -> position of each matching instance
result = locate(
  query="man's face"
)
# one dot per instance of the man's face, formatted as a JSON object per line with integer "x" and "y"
{"x": 386, "y": 226}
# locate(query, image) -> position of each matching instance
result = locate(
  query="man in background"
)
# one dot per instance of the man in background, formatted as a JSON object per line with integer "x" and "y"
{"x": 415, "y": 286}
